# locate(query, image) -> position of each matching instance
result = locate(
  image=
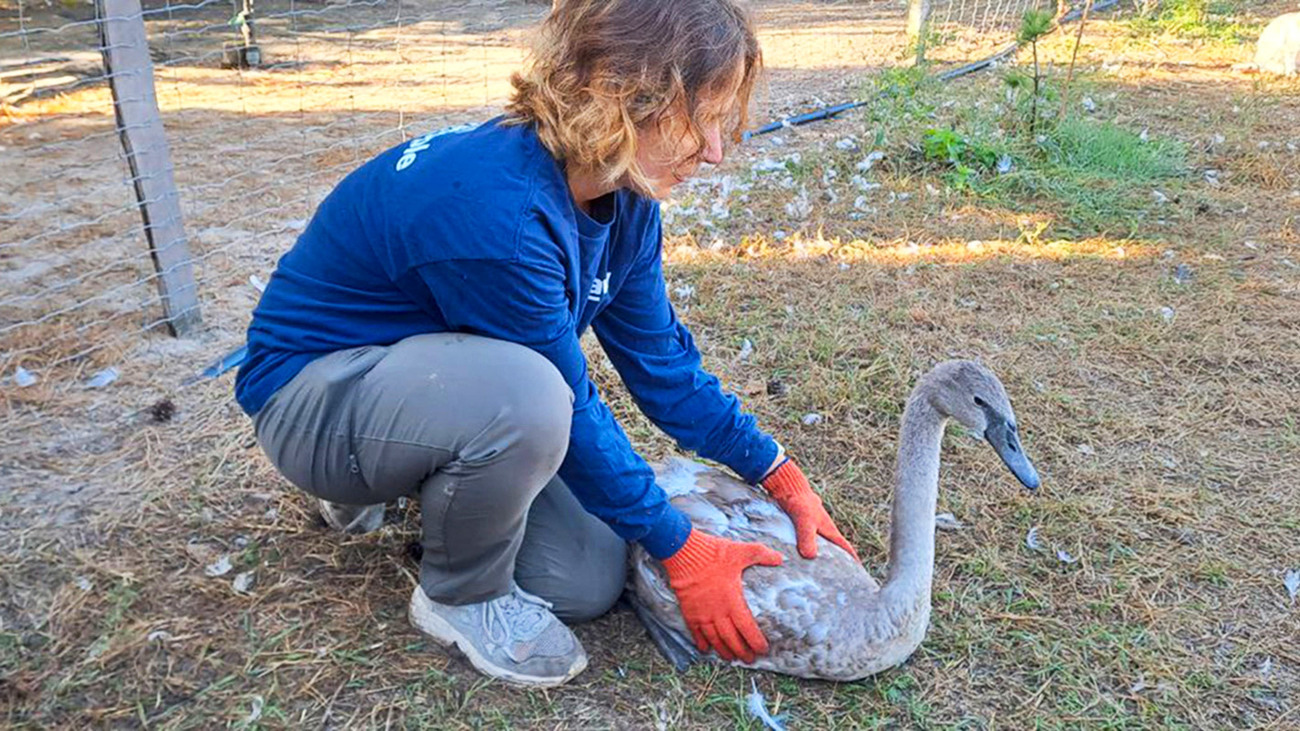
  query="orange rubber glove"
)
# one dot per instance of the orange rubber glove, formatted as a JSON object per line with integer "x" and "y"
{"x": 796, "y": 497}
{"x": 705, "y": 574}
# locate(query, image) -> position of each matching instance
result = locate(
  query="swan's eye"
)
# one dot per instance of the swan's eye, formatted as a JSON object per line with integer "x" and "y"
{"x": 980, "y": 402}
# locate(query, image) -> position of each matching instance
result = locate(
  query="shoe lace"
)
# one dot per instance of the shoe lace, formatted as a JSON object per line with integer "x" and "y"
{"x": 514, "y": 618}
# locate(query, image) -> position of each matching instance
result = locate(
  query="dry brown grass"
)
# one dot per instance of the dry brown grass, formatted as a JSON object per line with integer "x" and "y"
{"x": 1170, "y": 449}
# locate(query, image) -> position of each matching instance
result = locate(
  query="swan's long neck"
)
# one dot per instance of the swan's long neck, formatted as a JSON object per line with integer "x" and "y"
{"x": 916, "y": 491}
{"x": 895, "y": 619}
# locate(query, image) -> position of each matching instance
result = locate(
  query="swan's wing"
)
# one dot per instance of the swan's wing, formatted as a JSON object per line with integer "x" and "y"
{"x": 800, "y": 606}
{"x": 672, "y": 644}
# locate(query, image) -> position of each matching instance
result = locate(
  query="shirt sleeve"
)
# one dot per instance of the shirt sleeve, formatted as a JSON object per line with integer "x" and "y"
{"x": 658, "y": 361}
{"x": 525, "y": 302}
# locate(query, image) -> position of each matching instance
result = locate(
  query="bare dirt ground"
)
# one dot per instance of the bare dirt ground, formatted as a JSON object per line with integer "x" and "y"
{"x": 1151, "y": 354}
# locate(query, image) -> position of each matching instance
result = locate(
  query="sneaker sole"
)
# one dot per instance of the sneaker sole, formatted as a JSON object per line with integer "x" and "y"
{"x": 445, "y": 635}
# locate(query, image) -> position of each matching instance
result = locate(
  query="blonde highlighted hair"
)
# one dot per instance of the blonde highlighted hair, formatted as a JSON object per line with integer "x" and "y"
{"x": 600, "y": 70}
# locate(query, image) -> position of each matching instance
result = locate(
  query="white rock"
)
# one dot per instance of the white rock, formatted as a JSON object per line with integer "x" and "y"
{"x": 1278, "y": 49}
{"x": 1292, "y": 583}
{"x": 812, "y": 419}
{"x": 746, "y": 349}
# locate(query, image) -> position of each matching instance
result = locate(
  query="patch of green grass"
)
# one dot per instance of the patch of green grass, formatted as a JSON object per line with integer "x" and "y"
{"x": 1206, "y": 20}
{"x": 902, "y": 97}
{"x": 1094, "y": 175}
{"x": 1102, "y": 175}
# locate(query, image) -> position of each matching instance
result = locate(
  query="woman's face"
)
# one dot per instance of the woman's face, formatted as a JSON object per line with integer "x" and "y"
{"x": 669, "y": 155}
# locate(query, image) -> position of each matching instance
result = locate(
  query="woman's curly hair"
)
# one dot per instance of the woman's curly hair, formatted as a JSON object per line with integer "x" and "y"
{"x": 599, "y": 70}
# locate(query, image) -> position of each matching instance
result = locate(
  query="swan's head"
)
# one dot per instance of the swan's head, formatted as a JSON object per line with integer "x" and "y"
{"x": 968, "y": 392}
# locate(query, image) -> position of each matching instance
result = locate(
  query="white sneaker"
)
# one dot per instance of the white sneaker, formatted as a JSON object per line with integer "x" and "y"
{"x": 514, "y": 637}
{"x": 355, "y": 519}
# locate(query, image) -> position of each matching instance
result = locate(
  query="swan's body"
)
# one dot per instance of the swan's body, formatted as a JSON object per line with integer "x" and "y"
{"x": 826, "y": 617}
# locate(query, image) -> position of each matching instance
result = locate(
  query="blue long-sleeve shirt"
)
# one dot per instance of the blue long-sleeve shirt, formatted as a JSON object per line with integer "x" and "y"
{"x": 474, "y": 230}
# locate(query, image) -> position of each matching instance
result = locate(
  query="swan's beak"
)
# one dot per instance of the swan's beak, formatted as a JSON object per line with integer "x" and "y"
{"x": 1006, "y": 442}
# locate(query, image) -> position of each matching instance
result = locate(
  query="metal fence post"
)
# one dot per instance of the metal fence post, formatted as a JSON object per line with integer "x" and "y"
{"x": 130, "y": 72}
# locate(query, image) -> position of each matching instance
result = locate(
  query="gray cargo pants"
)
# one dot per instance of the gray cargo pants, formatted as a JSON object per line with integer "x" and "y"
{"x": 477, "y": 428}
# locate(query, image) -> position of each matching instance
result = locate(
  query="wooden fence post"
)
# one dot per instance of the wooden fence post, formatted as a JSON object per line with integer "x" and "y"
{"x": 130, "y": 74}
{"x": 918, "y": 26}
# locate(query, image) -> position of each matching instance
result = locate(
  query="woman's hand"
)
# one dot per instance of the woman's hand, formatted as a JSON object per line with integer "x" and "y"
{"x": 705, "y": 573}
{"x": 792, "y": 492}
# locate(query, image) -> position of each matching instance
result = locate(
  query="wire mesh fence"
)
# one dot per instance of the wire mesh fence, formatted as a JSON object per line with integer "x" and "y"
{"x": 965, "y": 30}
{"x": 265, "y": 106}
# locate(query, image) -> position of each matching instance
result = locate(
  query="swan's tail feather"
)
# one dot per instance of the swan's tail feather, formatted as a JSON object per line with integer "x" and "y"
{"x": 676, "y": 649}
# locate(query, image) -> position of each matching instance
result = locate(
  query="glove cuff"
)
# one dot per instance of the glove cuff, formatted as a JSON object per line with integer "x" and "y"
{"x": 786, "y": 481}
{"x": 698, "y": 553}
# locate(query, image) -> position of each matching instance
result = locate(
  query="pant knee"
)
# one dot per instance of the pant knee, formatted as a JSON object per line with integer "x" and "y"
{"x": 595, "y": 588}
{"x": 537, "y": 404}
